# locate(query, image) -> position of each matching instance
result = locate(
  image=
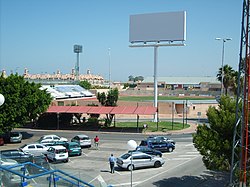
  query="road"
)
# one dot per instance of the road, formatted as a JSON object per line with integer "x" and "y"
{"x": 183, "y": 166}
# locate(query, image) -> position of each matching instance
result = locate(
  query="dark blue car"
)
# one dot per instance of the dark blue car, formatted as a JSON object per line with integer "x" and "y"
{"x": 162, "y": 146}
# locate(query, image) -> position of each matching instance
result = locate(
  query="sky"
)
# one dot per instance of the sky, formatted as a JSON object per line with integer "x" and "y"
{"x": 40, "y": 35}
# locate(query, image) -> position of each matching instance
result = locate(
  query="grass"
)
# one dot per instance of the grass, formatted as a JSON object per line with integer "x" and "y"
{"x": 163, "y": 126}
{"x": 146, "y": 98}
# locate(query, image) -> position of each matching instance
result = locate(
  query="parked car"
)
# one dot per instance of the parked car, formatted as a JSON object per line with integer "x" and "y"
{"x": 73, "y": 148}
{"x": 17, "y": 155}
{"x": 12, "y": 137}
{"x": 55, "y": 143}
{"x": 162, "y": 146}
{"x": 161, "y": 138}
{"x": 35, "y": 148}
{"x": 139, "y": 160}
{"x": 40, "y": 161}
{"x": 148, "y": 150}
{"x": 48, "y": 139}
{"x": 10, "y": 179}
{"x": 83, "y": 140}
{"x": 57, "y": 153}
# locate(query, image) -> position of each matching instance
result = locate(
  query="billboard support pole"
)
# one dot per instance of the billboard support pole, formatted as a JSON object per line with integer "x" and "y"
{"x": 156, "y": 45}
{"x": 155, "y": 82}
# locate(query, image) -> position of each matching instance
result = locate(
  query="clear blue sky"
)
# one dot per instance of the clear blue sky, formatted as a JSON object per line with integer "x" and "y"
{"x": 40, "y": 34}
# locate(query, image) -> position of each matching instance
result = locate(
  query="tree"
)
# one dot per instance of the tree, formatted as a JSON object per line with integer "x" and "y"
{"x": 85, "y": 84}
{"x": 228, "y": 77}
{"x": 214, "y": 141}
{"x": 109, "y": 100}
{"x": 24, "y": 102}
{"x": 131, "y": 78}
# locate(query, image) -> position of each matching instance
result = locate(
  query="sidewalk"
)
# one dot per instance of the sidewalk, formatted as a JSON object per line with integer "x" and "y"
{"x": 191, "y": 129}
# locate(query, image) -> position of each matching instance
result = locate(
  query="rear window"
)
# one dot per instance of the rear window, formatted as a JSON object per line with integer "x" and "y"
{"x": 84, "y": 138}
{"x": 14, "y": 134}
{"x": 143, "y": 143}
{"x": 74, "y": 146}
{"x": 58, "y": 151}
{"x": 125, "y": 156}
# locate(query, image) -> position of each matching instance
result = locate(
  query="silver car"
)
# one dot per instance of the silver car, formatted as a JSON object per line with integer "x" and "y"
{"x": 139, "y": 160}
{"x": 83, "y": 140}
{"x": 15, "y": 137}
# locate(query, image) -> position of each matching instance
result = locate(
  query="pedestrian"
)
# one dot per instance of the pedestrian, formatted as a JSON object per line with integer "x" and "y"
{"x": 96, "y": 141}
{"x": 112, "y": 161}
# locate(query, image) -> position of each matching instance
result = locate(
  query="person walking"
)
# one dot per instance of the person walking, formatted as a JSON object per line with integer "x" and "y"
{"x": 112, "y": 161}
{"x": 96, "y": 141}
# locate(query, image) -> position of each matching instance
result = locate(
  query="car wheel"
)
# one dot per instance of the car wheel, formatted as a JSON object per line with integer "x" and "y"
{"x": 170, "y": 149}
{"x": 66, "y": 160}
{"x": 130, "y": 167}
{"x": 157, "y": 164}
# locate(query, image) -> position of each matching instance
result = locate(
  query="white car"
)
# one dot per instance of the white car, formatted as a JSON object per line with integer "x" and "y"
{"x": 48, "y": 139}
{"x": 35, "y": 149}
{"x": 57, "y": 153}
{"x": 140, "y": 160}
{"x": 83, "y": 140}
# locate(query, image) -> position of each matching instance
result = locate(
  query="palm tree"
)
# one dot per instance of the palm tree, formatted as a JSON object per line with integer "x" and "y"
{"x": 228, "y": 77}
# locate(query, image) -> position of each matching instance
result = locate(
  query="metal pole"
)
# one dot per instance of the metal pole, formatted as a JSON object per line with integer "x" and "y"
{"x": 172, "y": 115}
{"x": 186, "y": 111}
{"x": 109, "y": 68}
{"x": 131, "y": 170}
{"x": 183, "y": 113}
{"x": 155, "y": 82}
{"x": 222, "y": 69}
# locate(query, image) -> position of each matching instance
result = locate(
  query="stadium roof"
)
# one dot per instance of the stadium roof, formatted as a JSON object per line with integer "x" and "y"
{"x": 140, "y": 110}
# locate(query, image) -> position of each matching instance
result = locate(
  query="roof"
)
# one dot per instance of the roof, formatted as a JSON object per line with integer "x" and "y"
{"x": 139, "y": 110}
{"x": 184, "y": 80}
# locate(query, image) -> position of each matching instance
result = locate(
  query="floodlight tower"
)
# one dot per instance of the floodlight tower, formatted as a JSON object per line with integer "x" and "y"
{"x": 77, "y": 50}
{"x": 240, "y": 148}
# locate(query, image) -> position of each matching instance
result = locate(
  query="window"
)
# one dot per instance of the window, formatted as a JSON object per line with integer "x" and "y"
{"x": 31, "y": 147}
{"x": 39, "y": 147}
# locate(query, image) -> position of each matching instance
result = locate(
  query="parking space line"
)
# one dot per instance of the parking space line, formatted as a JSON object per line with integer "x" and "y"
{"x": 167, "y": 170}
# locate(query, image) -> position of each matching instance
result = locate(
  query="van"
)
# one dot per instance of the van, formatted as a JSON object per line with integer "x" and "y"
{"x": 57, "y": 153}
{"x": 162, "y": 146}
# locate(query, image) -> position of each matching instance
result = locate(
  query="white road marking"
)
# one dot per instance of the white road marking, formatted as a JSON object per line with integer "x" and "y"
{"x": 167, "y": 170}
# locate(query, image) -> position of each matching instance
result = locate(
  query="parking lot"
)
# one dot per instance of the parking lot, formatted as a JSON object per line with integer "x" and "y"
{"x": 93, "y": 166}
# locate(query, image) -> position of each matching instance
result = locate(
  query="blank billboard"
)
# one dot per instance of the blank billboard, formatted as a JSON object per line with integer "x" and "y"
{"x": 155, "y": 27}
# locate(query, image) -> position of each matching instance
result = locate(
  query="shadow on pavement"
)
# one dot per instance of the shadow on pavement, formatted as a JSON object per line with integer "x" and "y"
{"x": 211, "y": 179}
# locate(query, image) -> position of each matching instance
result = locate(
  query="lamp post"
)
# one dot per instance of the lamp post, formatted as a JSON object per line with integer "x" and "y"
{"x": 131, "y": 146}
{"x": 222, "y": 60}
{"x": 1, "y": 99}
{"x": 109, "y": 53}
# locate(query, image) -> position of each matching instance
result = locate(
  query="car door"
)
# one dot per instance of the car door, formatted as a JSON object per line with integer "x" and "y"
{"x": 31, "y": 149}
{"x": 40, "y": 149}
{"x": 50, "y": 153}
{"x": 146, "y": 160}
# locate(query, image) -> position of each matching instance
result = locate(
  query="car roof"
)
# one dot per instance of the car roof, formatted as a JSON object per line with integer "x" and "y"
{"x": 81, "y": 135}
{"x": 72, "y": 143}
{"x": 58, "y": 147}
{"x": 10, "y": 150}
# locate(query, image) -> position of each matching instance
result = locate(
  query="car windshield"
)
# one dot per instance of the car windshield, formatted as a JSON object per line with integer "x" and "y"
{"x": 14, "y": 134}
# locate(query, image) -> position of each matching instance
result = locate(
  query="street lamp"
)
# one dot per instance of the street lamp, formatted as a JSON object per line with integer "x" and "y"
{"x": 131, "y": 146}
{"x": 1, "y": 99}
{"x": 222, "y": 60}
{"x": 109, "y": 53}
